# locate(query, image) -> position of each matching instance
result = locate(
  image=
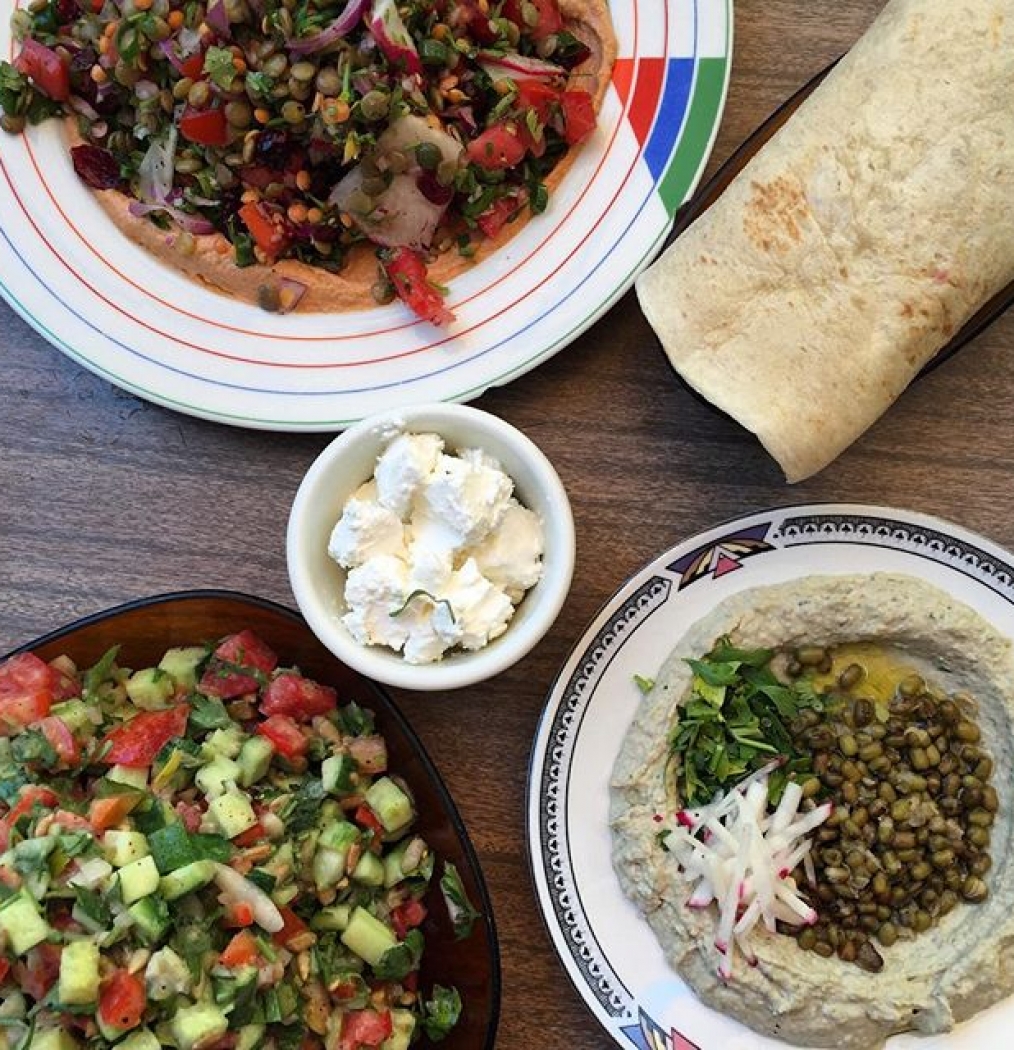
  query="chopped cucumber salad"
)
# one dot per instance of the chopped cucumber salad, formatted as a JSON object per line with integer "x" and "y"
{"x": 210, "y": 854}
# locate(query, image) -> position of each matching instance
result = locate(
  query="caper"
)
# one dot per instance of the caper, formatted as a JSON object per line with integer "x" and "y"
{"x": 824, "y": 949}
{"x": 974, "y": 889}
{"x": 863, "y": 711}
{"x": 428, "y": 157}
{"x": 851, "y": 676}
{"x": 293, "y": 112}
{"x": 807, "y": 938}
{"x": 375, "y": 105}
{"x": 811, "y": 655}
{"x": 981, "y": 818}
{"x": 869, "y": 958}
{"x": 967, "y": 731}
{"x": 276, "y": 66}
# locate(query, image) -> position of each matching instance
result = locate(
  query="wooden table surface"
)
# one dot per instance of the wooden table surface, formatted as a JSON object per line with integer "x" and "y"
{"x": 105, "y": 498}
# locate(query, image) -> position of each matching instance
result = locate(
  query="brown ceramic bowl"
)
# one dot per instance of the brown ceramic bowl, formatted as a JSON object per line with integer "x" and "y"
{"x": 716, "y": 186}
{"x": 145, "y": 629}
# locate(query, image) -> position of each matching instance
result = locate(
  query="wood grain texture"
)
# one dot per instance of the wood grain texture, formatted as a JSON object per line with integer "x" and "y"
{"x": 104, "y": 498}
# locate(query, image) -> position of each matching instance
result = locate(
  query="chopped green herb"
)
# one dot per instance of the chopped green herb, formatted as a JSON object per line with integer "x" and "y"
{"x": 440, "y": 1014}
{"x": 218, "y": 64}
{"x": 644, "y": 684}
{"x": 461, "y": 910}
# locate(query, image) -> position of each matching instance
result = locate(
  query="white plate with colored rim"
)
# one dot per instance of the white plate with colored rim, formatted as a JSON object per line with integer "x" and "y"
{"x": 607, "y": 949}
{"x": 110, "y": 306}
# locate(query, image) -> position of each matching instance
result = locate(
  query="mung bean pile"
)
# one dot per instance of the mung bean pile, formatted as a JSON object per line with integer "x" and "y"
{"x": 908, "y": 838}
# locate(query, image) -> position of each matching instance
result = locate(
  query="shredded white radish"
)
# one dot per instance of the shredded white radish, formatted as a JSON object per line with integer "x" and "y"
{"x": 740, "y": 856}
{"x": 236, "y": 889}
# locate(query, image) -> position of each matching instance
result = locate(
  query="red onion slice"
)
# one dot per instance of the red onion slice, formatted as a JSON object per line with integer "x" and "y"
{"x": 195, "y": 224}
{"x": 218, "y": 18}
{"x": 340, "y": 27}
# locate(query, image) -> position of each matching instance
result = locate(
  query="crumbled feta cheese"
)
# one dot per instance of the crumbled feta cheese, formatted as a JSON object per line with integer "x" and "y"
{"x": 460, "y": 502}
{"x": 366, "y": 529}
{"x": 439, "y": 551}
{"x": 375, "y": 593}
{"x": 405, "y": 464}
{"x": 511, "y": 555}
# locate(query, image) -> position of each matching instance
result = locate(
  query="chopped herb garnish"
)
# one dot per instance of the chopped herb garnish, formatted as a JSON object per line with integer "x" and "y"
{"x": 461, "y": 910}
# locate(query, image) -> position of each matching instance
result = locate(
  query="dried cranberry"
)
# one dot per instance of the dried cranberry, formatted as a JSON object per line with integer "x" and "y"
{"x": 273, "y": 148}
{"x": 431, "y": 188}
{"x": 67, "y": 11}
{"x": 96, "y": 167}
{"x": 318, "y": 231}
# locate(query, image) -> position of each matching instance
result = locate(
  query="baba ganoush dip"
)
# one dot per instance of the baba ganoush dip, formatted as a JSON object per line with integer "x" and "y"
{"x": 911, "y": 708}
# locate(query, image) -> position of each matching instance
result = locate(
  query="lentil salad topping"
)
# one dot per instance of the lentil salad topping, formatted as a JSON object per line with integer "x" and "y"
{"x": 305, "y": 130}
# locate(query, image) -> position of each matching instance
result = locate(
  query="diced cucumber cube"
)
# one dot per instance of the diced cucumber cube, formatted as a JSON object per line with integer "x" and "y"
{"x": 142, "y": 1039}
{"x": 138, "y": 879}
{"x": 151, "y": 917}
{"x": 132, "y": 776}
{"x": 368, "y": 937}
{"x": 250, "y": 1036}
{"x": 150, "y": 688}
{"x": 334, "y": 917}
{"x": 339, "y": 835}
{"x": 392, "y": 806}
{"x": 167, "y": 975}
{"x": 328, "y": 867}
{"x": 76, "y": 714}
{"x": 233, "y": 813}
{"x": 217, "y": 777}
{"x": 124, "y": 847}
{"x": 200, "y": 1023}
{"x": 254, "y": 759}
{"x": 52, "y": 1039}
{"x": 79, "y": 974}
{"x": 369, "y": 870}
{"x": 186, "y": 879}
{"x": 182, "y": 664}
{"x": 224, "y": 743}
{"x": 402, "y": 1030}
{"x": 336, "y": 774}
{"x": 21, "y": 921}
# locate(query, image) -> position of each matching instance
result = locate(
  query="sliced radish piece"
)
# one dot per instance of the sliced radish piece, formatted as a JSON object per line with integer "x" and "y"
{"x": 394, "y": 39}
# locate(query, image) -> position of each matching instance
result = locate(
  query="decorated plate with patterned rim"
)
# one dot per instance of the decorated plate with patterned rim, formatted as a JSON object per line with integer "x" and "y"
{"x": 114, "y": 309}
{"x": 608, "y": 951}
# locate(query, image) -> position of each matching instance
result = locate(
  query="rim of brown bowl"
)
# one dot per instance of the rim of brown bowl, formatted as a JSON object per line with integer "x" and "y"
{"x": 187, "y": 617}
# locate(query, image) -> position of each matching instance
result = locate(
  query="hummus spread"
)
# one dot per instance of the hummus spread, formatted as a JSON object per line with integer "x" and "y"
{"x": 209, "y": 259}
{"x": 960, "y": 966}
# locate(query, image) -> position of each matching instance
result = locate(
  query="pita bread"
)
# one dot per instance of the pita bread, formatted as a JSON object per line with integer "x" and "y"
{"x": 858, "y": 240}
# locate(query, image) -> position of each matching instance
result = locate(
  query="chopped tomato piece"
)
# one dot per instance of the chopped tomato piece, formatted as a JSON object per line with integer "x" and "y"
{"x": 537, "y": 18}
{"x": 250, "y": 837}
{"x": 407, "y": 916}
{"x": 71, "y": 821}
{"x": 61, "y": 739}
{"x": 407, "y": 272}
{"x": 30, "y": 796}
{"x": 239, "y": 914}
{"x": 285, "y": 735}
{"x": 5, "y": 969}
{"x": 26, "y": 692}
{"x": 39, "y": 971}
{"x": 193, "y": 67}
{"x": 292, "y": 694}
{"x": 240, "y": 951}
{"x": 190, "y": 815}
{"x": 137, "y": 742}
{"x": 578, "y": 116}
{"x": 498, "y": 214}
{"x": 268, "y": 227}
{"x": 106, "y": 813}
{"x": 293, "y": 927}
{"x": 366, "y": 818}
{"x": 538, "y": 96}
{"x": 365, "y": 1028}
{"x": 497, "y": 148}
{"x": 206, "y": 127}
{"x": 246, "y": 649}
{"x": 122, "y": 1000}
{"x": 45, "y": 68}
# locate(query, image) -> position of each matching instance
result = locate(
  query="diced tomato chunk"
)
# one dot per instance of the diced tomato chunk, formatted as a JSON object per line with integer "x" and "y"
{"x": 497, "y": 147}
{"x": 5, "y": 969}
{"x": 365, "y": 1028}
{"x": 45, "y": 68}
{"x": 206, "y": 127}
{"x": 122, "y": 1000}
{"x": 29, "y": 797}
{"x": 106, "y": 813}
{"x": 539, "y": 96}
{"x": 240, "y": 951}
{"x": 578, "y": 116}
{"x": 137, "y": 742}
{"x": 285, "y": 735}
{"x": 250, "y": 837}
{"x": 293, "y": 927}
{"x": 193, "y": 66}
{"x": 407, "y": 272}
{"x": 268, "y": 227}
{"x": 407, "y": 916}
{"x": 238, "y": 666}
{"x": 292, "y": 694}
{"x": 37, "y": 974}
{"x": 238, "y": 914}
{"x": 547, "y": 18}
{"x": 26, "y": 692}
{"x": 498, "y": 214}
{"x": 61, "y": 739}
{"x": 365, "y": 817}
